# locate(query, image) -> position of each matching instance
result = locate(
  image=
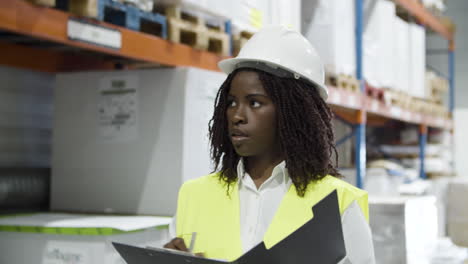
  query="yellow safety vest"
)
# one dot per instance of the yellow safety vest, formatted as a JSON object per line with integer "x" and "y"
{"x": 205, "y": 207}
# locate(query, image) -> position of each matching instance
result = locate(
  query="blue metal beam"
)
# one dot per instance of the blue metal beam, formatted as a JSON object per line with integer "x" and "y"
{"x": 360, "y": 154}
{"x": 422, "y": 151}
{"x": 360, "y": 129}
{"x": 359, "y": 33}
{"x": 228, "y": 29}
{"x": 452, "y": 80}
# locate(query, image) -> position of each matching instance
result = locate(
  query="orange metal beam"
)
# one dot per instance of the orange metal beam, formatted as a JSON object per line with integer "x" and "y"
{"x": 423, "y": 129}
{"x": 46, "y": 23}
{"x": 47, "y": 60}
{"x": 426, "y": 18}
{"x": 452, "y": 45}
{"x": 361, "y": 116}
{"x": 23, "y": 57}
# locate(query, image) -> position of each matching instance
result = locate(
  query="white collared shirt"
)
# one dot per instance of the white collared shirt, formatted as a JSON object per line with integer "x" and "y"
{"x": 259, "y": 206}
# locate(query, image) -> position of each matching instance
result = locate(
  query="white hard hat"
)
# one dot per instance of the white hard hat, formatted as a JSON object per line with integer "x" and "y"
{"x": 277, "y": 47}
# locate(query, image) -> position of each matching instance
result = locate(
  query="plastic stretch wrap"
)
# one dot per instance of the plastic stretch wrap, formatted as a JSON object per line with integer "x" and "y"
{"x": 404, "y": 229}
{"x": 418, "y": 61}
{"x": 125, "y": 142}
{"x": 457, "y": 211}
{"x": 402, "y": 54}
{"x": 330, "y": 26}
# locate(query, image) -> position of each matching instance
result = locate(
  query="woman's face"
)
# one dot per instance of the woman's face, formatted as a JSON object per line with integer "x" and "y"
{"x": 251, "y": 117}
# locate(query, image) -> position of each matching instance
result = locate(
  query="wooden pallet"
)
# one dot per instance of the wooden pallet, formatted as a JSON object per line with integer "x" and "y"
{"x": 397, "y": 98}
{"x": 342, "y": 81}
{"x": 218, "y": 42}
{"x": 192, "y": 30}
{"x": 428, "y": 107}
{"x": 117, "y": 13}
{"x": 50, "y": 3}
{"x": 239, "y": 41}
{"x": 417, "y": 105}
{"x": 375, "y": 93}
{"x": 185, "y": 33}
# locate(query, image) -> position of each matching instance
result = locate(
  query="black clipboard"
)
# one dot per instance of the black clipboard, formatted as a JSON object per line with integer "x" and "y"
{"x": 320, "y": 240}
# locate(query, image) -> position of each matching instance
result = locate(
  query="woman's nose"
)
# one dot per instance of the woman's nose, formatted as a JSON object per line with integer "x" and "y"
{"x": 239, "y": 116}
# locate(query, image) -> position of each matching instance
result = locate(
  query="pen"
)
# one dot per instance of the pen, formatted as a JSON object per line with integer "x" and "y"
{"x": 192, "y": 242}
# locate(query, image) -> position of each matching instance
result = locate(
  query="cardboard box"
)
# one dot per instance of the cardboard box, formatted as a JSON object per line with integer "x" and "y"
{"x": 457, "y": 211}
{"x": 330, "y": 26}
{"x": 32, "y": 239}
{"x": 125, "y": 141}
{"x": 404, "y": 229}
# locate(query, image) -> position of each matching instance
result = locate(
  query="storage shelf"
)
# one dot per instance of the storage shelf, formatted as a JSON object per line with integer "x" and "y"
{"x": 50, "y": 24}
{"x": 344, "y": 102}
{"x": 416, "y": 9}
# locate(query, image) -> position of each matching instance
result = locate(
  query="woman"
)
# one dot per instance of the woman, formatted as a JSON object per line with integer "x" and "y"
{"x": 271, "y": 141}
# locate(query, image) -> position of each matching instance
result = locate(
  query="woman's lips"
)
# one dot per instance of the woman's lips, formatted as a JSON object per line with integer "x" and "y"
{"x": 238, "y": 135}
{"x": 238, "y": 138}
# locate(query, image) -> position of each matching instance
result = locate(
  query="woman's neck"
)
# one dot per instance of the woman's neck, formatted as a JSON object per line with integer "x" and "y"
{"x": 260, "y": 168}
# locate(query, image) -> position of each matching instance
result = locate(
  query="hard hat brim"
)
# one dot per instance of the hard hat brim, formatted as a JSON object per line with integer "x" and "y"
{"x": 229, "y": 65}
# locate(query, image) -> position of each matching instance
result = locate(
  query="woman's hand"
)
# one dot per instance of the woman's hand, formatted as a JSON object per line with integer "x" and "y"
{"x": 177, "y": 244}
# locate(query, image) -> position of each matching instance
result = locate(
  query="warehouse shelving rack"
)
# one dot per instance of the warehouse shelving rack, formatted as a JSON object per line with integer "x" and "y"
{"x": 36, "y": 38}
{"x": 417, "y": 10}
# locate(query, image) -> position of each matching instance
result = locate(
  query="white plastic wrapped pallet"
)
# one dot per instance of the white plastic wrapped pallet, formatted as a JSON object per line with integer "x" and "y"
{"x": 286, "y": 12}
{"x": 457, "y": 212}
{"x": 129, "y": 151}
{"x": 404, "y": 229}
{"x": 250, "y": 15}
{"x": 387, "y": 66}
{"x": 371, "y": 39}
{"x": 402, "y": 54}
{"x": 216, "y": 8}
{"x": 26, "y": 114}
{"x": 76, "y": 238}
{"x": 418, "y": 61}
{"x": 330, "y": 26}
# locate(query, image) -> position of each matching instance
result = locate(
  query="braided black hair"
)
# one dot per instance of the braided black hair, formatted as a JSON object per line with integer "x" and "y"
{"x": 303, "y": 124}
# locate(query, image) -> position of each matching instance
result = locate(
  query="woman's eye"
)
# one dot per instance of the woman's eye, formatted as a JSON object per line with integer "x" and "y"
{"x": 231, "y": 103}
{"x": 255, "y": 104}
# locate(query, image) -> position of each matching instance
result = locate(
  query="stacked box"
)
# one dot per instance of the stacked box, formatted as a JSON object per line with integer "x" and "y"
{"x": 387, "y": 70}
{"x": 371, "y": 42}
{"x": 137, "y": 134}
{"x": 26, "y": 118}
{"x": 330, "y": 26}
{"x": 457, "y": 212}
{"x": 287, "y": 13}
{"x": 436, "y": 87}
{"x": 402, "y": 54}
{"x": 145, "y": 5}
{"x": 71, "y": 238}
{"x": 418, "y": 61}
{"x": 404, "y": 229}
{"x": 245, "y": 15}
{"x": 250, "y": 15}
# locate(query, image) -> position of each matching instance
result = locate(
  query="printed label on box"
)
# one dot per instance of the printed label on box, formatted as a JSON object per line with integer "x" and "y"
{"x": 118, "y": 108}
{"x": 59, "y": 252}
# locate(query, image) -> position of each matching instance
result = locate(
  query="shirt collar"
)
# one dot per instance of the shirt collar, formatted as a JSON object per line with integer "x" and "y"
{"x": 280, "y": 172}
